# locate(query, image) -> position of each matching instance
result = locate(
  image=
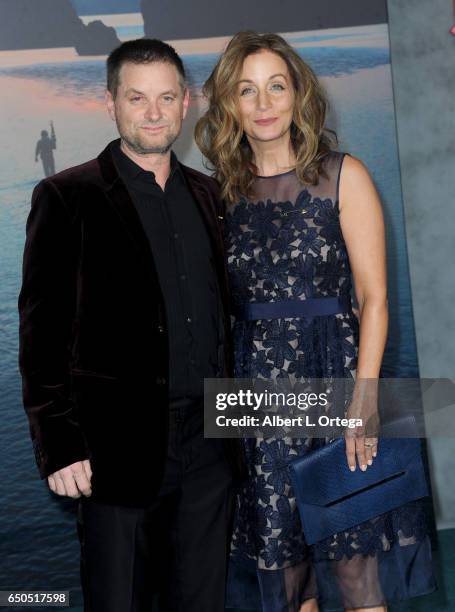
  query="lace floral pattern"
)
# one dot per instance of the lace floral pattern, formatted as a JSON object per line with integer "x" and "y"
{"x": 287, "y": 244}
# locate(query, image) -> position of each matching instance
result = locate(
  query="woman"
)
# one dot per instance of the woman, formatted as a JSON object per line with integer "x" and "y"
{"x": 300, "y": 217}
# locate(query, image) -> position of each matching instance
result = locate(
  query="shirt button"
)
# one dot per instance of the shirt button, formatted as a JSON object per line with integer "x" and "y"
{"x": 189, "y": 320}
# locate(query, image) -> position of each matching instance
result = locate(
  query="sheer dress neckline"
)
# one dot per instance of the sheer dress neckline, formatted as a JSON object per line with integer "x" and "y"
{"x": 259, "y": 176}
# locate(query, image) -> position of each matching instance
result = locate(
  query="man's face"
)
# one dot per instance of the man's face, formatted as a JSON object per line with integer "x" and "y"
{"x": 149, "y": 107}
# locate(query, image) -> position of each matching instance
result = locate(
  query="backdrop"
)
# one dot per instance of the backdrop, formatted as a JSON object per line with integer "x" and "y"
{"x": 52, "y": 69}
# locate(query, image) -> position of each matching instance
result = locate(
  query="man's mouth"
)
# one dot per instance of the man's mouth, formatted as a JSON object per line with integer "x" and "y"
{"x": 152, "y": 128}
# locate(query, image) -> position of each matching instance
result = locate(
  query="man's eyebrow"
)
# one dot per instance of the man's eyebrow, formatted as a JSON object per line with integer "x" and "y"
{"x": 163, "y": 93}
{"x": 133, "y": 90}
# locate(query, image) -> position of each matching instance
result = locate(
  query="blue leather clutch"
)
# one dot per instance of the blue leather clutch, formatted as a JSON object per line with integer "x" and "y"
{"x": 331, "y": 498}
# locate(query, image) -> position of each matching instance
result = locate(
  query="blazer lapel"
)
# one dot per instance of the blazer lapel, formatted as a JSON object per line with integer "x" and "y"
{"x": 120, "y": 199}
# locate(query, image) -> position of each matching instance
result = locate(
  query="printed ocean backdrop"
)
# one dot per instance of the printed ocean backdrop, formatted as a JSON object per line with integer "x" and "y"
{"x": 38, "y": 544}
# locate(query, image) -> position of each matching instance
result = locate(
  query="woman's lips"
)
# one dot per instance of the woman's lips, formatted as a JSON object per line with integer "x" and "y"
{"x": 265, "y": 121}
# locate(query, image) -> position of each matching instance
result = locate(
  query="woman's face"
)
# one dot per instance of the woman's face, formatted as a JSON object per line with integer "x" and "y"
{"x": 265, "y": 97}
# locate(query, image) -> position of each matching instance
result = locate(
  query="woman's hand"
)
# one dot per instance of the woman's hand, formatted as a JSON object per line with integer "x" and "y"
{"x": 362, "y": 442}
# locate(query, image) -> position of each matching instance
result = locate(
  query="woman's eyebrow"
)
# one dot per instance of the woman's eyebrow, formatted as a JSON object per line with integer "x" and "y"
{"x": 270, "y": 77}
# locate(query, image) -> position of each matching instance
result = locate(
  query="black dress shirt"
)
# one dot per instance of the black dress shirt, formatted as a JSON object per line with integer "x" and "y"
{"x": 184, "y": 262}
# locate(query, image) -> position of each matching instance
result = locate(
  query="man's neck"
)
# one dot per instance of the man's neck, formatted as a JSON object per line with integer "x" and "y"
{"x": 158, "y": 163}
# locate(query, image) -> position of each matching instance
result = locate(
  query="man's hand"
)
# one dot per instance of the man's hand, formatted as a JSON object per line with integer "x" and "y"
{"x": 72, "y": 480}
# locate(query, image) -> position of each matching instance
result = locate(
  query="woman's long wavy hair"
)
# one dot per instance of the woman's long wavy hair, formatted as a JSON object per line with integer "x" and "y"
{"x": 219, "y": 132}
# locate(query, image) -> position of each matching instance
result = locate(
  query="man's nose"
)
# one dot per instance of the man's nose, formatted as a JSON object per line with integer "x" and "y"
{"x": 153, "y": 111}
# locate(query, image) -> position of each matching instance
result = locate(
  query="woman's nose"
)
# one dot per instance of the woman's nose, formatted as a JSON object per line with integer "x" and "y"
{"x": 263, "y": 100}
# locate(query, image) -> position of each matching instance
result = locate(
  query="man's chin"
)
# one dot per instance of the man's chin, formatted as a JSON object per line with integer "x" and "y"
{"x": 141, "y": 147}
{"x": 156, "y": 150}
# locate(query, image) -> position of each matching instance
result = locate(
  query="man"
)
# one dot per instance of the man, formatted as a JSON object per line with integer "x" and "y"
{"x": 121, "y": 319}
{"x": 44, "y": 149}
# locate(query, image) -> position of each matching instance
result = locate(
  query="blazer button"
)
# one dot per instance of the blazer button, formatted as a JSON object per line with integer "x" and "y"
{"x": 161, "y": 381}
{"x": 161, "y": 328}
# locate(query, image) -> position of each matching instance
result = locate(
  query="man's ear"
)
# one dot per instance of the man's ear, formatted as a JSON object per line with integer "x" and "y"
{"x": 110, "y": 104}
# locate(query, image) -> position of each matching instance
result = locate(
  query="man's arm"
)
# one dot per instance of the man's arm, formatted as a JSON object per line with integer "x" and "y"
{"x": 53, "y": 138}
{"x": 46, "y": 309}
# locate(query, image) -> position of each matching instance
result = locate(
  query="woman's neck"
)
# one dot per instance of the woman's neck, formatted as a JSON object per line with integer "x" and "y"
{"x": 273, "y": 157}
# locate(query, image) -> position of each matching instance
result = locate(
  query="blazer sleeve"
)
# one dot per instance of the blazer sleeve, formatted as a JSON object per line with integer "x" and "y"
{"x": 46, "y": 313}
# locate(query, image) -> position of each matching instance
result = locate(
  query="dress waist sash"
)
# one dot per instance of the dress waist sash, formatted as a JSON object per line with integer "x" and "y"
{"x": 287, "y": 309}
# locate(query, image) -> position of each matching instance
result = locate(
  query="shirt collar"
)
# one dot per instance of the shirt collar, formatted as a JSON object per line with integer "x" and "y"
{"x": 133, "y": 173}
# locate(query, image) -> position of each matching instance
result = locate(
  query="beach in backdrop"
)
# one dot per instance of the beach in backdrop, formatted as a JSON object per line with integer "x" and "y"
{"x": 38, "y": 544}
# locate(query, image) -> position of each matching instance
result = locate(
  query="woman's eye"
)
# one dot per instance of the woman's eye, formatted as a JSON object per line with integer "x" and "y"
{"x": 277, "y": 87}
{"x": 246, "y": 90}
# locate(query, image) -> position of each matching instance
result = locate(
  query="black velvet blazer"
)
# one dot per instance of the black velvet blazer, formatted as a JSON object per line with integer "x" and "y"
{"x": 93, "y": 339}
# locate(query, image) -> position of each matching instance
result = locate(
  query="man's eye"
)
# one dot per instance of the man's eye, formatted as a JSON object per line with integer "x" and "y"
{"x": 168, "y": 98}
{"x": 135, "y": 98}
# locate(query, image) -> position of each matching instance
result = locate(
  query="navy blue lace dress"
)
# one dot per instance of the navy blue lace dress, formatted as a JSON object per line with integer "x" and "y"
{"x": 286, "y": 244}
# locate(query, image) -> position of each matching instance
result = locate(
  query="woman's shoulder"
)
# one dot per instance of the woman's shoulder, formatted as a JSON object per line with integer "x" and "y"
{"x": 352, "y": 167}
{"x": 334, "y": 159}
{"x": 337, "y": 162}
{"x": 356, "y": 186}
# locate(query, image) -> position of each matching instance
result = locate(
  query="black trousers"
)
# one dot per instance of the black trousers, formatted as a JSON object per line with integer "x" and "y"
{"x": 176, "y": 549}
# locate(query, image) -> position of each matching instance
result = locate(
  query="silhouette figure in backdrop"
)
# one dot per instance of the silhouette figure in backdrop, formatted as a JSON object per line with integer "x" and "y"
{"x": 44, "y": 148}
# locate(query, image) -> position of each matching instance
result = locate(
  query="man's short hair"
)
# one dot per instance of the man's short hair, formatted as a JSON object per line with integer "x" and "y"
{"x": 141, "y": 51}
